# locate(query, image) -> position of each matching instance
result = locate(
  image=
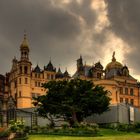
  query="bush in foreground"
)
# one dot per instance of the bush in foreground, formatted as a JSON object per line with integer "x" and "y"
{"x": 123, "y": 127}
{"x": 65, "y": 130}
{"x": 4, "y": 133}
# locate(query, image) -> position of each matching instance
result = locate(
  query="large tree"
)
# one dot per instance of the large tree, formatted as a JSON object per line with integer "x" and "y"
{"x": 73, "y": 100}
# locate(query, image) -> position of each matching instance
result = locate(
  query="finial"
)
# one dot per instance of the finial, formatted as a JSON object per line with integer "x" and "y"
{"x": 80, "y": 56}
{"x": 25, "y": 34}
{"x": 113, "y": 57}
{"x": 25, "y": 41}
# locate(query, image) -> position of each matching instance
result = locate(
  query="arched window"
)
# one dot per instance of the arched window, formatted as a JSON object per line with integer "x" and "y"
{"x": 25, "y": 69}
{"x": 25, "y": 54}
{"x": 20, "y": 69}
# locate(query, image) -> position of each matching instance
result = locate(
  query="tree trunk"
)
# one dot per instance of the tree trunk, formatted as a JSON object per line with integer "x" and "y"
{"x": 74, "y": 117}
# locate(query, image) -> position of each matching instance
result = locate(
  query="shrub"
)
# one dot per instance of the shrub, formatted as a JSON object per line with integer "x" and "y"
{"x": 123, "y": 127}
{"x": 76, "y": 125}
{"x": 4, "y": 132}
{"x": 108, "y": 126}
{"x": 65, "y": 126}
{"x": 19, "y": 128}
{"x": 43, "y": 129}
{"x": 27, "y": 129}
{"x": 137, "y": 125}
{"x": 35, "y": 128}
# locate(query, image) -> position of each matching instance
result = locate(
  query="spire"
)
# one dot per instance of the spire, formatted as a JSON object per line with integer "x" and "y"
{"x": 24, "y": 43}
{"x": 37, "y": 69}
{"x": 24, "y": 48}
{"x": 50, "y": 67}
{"x": 113, "y": 57}
{"x": 66, "y": 74}
{"x": 59, "y": 70}
{"x": 59, "y": 74}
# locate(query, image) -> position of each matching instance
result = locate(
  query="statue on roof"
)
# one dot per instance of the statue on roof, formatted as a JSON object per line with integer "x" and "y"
{"x": 113, "y": 56}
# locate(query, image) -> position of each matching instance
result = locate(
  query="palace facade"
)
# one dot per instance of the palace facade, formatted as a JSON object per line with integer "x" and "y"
{"x": 22, "y": 83}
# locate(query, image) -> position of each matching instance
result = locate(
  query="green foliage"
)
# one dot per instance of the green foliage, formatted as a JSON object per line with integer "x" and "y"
{"x": 19, "y": 128}
{"x": 108, "y": 126}
{"x": 123, "y": 127}
{"x": 65, "y": 126}
{"x": 82, "y": 129}
{"x": 137, "y": 127}
{"x": 86, "y": 131}
{"x": 74, "y": 100}
{"x": 104, "y": 134}
{"x": 4, "y": 132}
{"x": 27, "y": 129}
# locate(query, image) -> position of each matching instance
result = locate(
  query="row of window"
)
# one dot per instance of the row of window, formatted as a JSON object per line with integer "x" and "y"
{"x": 20, "y": 82}
{"x": 126, "y": 91}
{"x": 25, "y": 81}
{"x": 49, "y": 76}
{"x": 127, "y": 101}
{"x": 23, "y": 69}
{"x": 33, "y": 95}
{"x": 38, "y": 84}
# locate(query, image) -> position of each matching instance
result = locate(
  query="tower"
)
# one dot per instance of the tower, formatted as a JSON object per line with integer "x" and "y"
{"x": 24, "y": 49}
{"x": 23, "y": 96}
{"x": 80, "y": 65}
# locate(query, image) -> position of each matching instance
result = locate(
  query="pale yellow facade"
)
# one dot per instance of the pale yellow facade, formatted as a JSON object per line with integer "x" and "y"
{"x": 25, "y": 82}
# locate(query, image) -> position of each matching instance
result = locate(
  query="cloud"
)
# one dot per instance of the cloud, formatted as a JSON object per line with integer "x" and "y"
{"x": 64, "y": 29}
{"x": 54, "y": 30}
{"x": 125, "y": 23}
{"x": 50, "y": 30}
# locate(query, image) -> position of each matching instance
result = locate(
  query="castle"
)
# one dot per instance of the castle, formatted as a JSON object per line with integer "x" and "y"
{"x": 22, "y": 83}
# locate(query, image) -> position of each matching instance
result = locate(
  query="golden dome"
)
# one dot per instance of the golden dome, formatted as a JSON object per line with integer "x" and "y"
{"x": 114, "y": 63}
{"x": 24, "y": 44}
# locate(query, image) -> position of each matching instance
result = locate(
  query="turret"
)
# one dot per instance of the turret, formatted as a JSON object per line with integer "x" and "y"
{"x": 80, "y": 67}
{"x": 24, "y": 77}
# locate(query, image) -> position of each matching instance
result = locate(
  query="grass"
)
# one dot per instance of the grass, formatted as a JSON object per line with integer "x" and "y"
{"x": 107, "y": 134}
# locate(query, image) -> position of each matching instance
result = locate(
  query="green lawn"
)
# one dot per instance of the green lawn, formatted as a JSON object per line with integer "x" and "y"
{"x": 107, "y": 135}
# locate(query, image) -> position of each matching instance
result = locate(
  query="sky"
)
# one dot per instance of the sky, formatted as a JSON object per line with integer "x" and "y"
{"x": 62, "y": 30}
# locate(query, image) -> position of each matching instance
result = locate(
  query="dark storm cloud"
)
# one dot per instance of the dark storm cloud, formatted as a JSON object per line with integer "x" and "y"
{"x": 45, "y": 24}
{"x": 53, "y": 31}
{"x": 124, "y": 16}
{"x": 84, "y": 10}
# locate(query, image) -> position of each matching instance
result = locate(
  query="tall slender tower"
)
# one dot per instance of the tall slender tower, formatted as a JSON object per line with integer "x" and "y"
{"x": 80, "y": 68}
{"x": 24, "y": 77}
